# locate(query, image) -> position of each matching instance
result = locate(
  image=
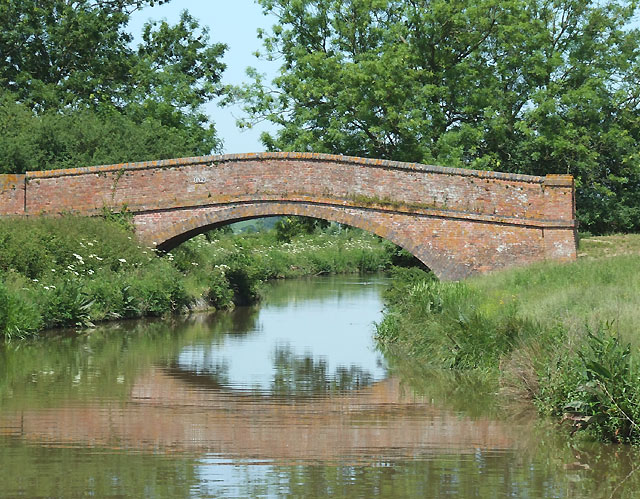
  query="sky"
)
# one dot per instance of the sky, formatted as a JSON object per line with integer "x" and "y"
{"x": 234, "y": 23}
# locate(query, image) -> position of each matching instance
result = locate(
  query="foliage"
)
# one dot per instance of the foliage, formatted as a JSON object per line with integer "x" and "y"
{"x": 73, "y": 271}
{"x": 18, "y": 317}
{"x": 124, "y": 217}
{"x": 72, "y": 138}
{"x": 289, "y": 227}
{"x": 542, "y": 329}
{"x": 441, "y": 324}
{"x": 220, "y": 293}
{"x": 596, "y": 388}
{"x": 44, "y": 248}
{"x": 522, "y": 86}
{"x": 330, "y": 251}
{"x": 74, "y": 92}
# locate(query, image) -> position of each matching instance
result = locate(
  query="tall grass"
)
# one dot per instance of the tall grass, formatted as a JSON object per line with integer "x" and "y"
{"x": 589, "y": 292}
{"x": 563, "y": 336}
{"x": 73, "y": 271}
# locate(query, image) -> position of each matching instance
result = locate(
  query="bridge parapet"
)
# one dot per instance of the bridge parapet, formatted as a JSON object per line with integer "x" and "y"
{"x": 175, "y": 183}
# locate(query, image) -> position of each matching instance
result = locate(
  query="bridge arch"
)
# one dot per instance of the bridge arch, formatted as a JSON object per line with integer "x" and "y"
{"x": 457, "y": 222}
{"x": 174, "y": 232}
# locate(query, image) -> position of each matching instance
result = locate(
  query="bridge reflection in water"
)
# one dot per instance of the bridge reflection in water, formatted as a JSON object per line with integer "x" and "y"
{"x": 166, "y": 413}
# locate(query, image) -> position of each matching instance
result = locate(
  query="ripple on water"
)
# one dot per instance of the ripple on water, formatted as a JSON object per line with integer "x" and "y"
{"x": 288, "y": 399}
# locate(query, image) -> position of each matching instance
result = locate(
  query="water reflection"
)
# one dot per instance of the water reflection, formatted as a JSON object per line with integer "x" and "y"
{"x": 318, "y": 332}
{"x": 295, "y": 374}
{"x": 252, "y": 404}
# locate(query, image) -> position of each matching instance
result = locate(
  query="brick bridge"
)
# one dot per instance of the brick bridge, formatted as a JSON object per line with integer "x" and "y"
{"x": 458, "y": 222}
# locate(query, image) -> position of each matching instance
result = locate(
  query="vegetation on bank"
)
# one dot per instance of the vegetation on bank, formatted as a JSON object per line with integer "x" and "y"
{"x": 73, "y": 271}
{"x": 563, "y": 336}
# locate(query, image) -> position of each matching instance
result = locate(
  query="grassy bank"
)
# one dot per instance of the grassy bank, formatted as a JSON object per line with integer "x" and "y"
{"x": 563, "y": 336}
{"x": 73, "y": 271}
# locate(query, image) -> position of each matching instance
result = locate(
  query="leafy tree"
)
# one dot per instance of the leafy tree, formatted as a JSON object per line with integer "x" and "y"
{"x": 66, "y": 64}
{"x": 84, "y": 137}
{"x": 526, "y": 86}
{"x": 289, "y": 227}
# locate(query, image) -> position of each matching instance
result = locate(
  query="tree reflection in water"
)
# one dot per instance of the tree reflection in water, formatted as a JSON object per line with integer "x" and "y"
{"x": 302, "y": 374}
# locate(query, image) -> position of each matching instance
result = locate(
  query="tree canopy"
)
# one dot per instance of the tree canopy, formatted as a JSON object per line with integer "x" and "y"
{"x": 524, "y": 86}
{"x": 74, "y": 89}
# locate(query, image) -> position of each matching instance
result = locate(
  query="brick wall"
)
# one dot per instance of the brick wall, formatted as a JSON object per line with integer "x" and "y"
{"x": 457, "y": 221}
{"x": 12, "y": 188}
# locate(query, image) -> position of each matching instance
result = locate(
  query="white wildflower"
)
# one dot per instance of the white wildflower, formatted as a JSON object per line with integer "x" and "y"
{"x": 122, "y": 260}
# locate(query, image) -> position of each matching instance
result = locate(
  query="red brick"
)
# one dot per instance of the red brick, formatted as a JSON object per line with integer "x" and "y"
{"x": 458, "y": 222}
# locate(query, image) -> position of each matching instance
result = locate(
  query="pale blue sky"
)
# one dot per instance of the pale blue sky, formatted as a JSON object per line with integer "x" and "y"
{"x": 234, "y": 23}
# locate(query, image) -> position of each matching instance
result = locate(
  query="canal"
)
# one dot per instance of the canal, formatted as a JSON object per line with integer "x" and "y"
{"x": 287, "y": 399}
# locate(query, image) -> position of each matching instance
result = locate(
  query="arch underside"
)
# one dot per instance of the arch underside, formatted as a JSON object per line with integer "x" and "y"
{"x": 441, "y": 244}
{"x": 206, "y": 219}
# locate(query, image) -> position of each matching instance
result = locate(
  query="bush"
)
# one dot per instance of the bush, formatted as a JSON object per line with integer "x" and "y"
{"x": 108, "y": 296}
{"x": 595, "y": 387}
{"x": 19, "y": 316}
{"x": 64, "y": 304}
{"x": 243, "y": 279}
{"x": 219, "y": 294}
{"x": 156, "y": 291}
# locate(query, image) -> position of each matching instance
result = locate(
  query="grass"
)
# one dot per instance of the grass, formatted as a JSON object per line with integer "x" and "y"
{"x": 603, "y": 285}
{"x": 74, "y": 271}
{"x": 563, "y": 336}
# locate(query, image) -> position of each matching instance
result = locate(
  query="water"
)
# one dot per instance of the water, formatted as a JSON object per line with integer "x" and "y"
{"x": 289, "y": 399}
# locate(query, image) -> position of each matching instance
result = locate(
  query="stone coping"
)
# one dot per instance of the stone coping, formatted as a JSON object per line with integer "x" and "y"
{"x": 549, "y": 180}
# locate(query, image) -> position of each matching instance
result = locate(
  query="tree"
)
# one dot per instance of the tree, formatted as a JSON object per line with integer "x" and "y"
{"x": 524, "y": 86}
{"x": 289, "y": 227}
{"x": 72, "y": 62}
{"x": 68, "y": 139}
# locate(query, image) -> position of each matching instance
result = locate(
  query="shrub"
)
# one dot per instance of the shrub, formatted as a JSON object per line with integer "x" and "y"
{"x": 219, "y": 294}
{"x": 156, "y": 291}
{"x": 243, "y": 279}
{"x": 19, "y": 317}
{"x": 64, "y": 304}
{"x": 596, "y": 387}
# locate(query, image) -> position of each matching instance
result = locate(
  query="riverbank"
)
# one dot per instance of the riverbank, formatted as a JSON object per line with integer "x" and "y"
{"x": 561, "y": 336}
{"x": 74, "y": 271}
